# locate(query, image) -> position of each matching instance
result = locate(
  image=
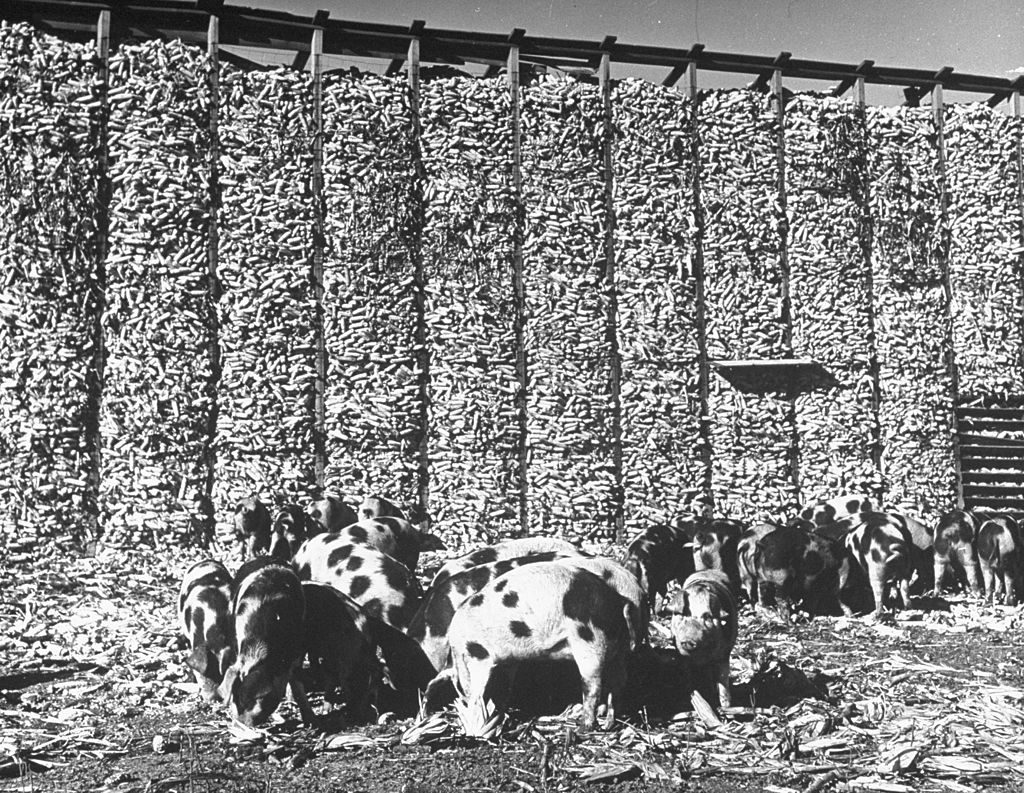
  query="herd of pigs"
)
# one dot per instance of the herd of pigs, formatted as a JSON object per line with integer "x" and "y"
{"x": 337, "y": 587}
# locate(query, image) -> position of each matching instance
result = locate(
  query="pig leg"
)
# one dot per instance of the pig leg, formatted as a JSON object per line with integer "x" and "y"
{"x": 1008, "y": 586}
{"x": 988, "y": 575}
{"x": 589, "y": 664}
{"x": 970, "y": 566}
{"x": 299, "y": 695}
{"x": 876, "y": 575}
{"x": 724, "y": 692}
{"x": 904, "y": 585}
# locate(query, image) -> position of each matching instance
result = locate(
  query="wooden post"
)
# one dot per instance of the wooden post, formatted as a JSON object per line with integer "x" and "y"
{"x": 415, "y": 243}
{"x": 213, "y": 289}
{"x": 1016, "y": 110}
{"x": 319, "y": 241}
{"x": 611, "y": 296}
{"x": 866, "y": 235}
{"x": 98, "y": 291}
{"x": 700, "y": 296}
{"x": 938, "y": 119}
{"x": 784, "y": 274}
{"x": 519, "y": 289}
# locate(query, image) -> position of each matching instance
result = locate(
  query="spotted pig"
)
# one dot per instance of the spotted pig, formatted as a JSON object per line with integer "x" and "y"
{"x": 383, "y": 586}
{"x": 662, "y": 553}
{"x": 882, "y": 546}
{"x": 507, "y": 549}
{"x": 377, "y": 507}
{"x": 330, "y": 513}
{"x": 715, "y": 544}
{"x": 291, "y": 528}
{"x": 543, "y": 611}
{"x": 204, "y": 616}
{"x": 826, "y": 511}
{"x": 269, "y": 612}
{"x": 999, "y": 553}
{"x": 619, "y": 578}
{"x": 745, "y": 558}
{"x": 793, "y": 565}
{"x": 252, "y": 526}
{"x": 955, "y": 537}
{"x": 341, "y": 648}
{"x": 396, "y": 537}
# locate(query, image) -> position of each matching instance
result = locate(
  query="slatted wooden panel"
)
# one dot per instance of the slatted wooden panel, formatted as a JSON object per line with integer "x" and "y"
{"x": 992, "y": 457}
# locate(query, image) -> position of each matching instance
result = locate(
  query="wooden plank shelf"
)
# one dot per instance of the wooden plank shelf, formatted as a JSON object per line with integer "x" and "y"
{"x": 774, "y": 374}
{"x": 981, "y": 477}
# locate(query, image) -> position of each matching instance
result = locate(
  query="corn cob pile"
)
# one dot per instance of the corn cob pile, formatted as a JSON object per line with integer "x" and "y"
{"x": 654, "y": 227}
{"x": 751, "y": 433}
{"x": 268, "y": 309}
{"x": 48, "y": 184}
{"x": 908, "y": 248}
{"x": 156, "y": 406}
{"x": 372, "y": 401}
{"x": 826, "y": 173}
{"x": 985, "y": 249}
{"x": 571, "y": 474}
{"x": 468, "y": 254}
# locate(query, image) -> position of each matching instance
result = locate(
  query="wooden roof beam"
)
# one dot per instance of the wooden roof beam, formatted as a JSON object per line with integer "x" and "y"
{"x": 415, "y": 30}
{"x": 763, "y": 80}
{"x": 302, "y": 56}
{"x": 913, "y": 94}
{"x": 678, "y": 71}
{"x": 514, "y": 39}
{"x": 848, "y": 82}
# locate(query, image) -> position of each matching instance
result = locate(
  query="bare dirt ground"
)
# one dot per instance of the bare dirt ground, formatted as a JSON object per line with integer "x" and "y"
{"x": 96, "y": 697}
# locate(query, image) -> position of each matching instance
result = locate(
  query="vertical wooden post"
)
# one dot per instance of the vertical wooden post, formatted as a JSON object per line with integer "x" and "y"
{"x": 415, "y": 242}
{"x": 213, "y": 289}
{"x": 866, "y": 234}
{"x": 319, "y": 241}
{"x": 519, "y": 288}
{"x": 1016, "y": 110}
{"x": 611, "y": 296}
{"x": 700, "y": 290}
{"x": 938, "y": 118}
{"x": 98, "y": 289}
{"x": 784, "y": 273}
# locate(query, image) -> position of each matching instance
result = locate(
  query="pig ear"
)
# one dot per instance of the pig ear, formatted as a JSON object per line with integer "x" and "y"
{"x": 431, "y": 542}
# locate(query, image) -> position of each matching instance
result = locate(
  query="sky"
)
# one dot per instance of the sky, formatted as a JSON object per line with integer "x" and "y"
{"x": 973, "y": 36}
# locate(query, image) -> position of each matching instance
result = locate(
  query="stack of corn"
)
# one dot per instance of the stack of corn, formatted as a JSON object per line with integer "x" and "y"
{"x": 908, "y": 251}
{"x": 475, "y": 426}
{"x": 268, "y": 310}
{"x": 830, "y": 287}
{"x": 571, "y": 473}
{"x": 654, "y": 227}
{"x": 48, "y": 183}
{"x": 751, "y": 433}
{"x": 372, "y": 402}
{"x": 985, "y": 252}
{"x": 156, "y": 403}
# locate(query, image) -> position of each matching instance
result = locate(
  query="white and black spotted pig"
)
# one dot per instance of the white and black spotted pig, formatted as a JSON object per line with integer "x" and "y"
{"x": 204, "y": 615}
{"x": 429, "y": 626}
{"x": 292, "y": 527}
{"x": 331, "y": 513}
{"x": 883, "y": 548}
{"x": 269, "y": 614}
{"x": 619, "y": 578}
{"x": 704, "y": 627}
{"x": 507, "y": 549}
{"x": 396, "y": 537}
{"x": 378, "y": 507}
{"x": 252, "y": 526}
{"x": 544, "y": 611}
{"x": 745, "y": 550}
{"x": 381, "y": 585}
{"x": 662, "y": 553}
{"x": 826, "y": 511}
{"x": 341, "y": 648}
{"x": 999, "y": 553}
{"x": 715, "y": 545}
{"x": 795, "y": 565}
{"x": 955, "y": 550}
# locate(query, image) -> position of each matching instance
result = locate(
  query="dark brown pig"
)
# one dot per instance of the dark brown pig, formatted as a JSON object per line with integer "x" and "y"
{"x": 252, "y": 526}
{"x": 704, "y": 626}
{"x": 954, "y": 544}
{"x": 378, "y": 507}
{"x": 795, "y": 566}
{"x": 204, "y": 616}
{"x": 544, "y": 611}
{"x": 290, "y": 529}
{"x": 330, "y": 513}
{"x": 999, "y": 553}
{"x": 507, "y": 549}
{"x": 269, "y": 612}
{"x": 661, "y": 554}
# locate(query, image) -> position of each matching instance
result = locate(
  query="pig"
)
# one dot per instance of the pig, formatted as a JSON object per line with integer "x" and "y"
{"x": 999, "y": 553}
{"x": 619, "y": 578}
{"x": 429, "y": 626}
{"x": 204, "y": 614}
{"x": 954, "y": 548}
{"x": 341, "y": 647}
{"x": 252, "y": 526}
{"x": 715, "y": 544}
{"x": 745, "y": 558}
{"x": 377, "y": 507}
{"x": 269, "y": 612}
{"x": 507, "y": 549}
{"x": 394, "y": 536}
{"x": 661, "y": 554}
{"x": 383, "y": 586}
{"x": 330, "y": 513}
{"x": 794, "y": 565}
{"x": 704, "y": 626}
{"x": 544, "y": 611}
{"x": 826, "y": 511}
{"x": 882, "y": 546}
{"x": 290, "y": 529}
